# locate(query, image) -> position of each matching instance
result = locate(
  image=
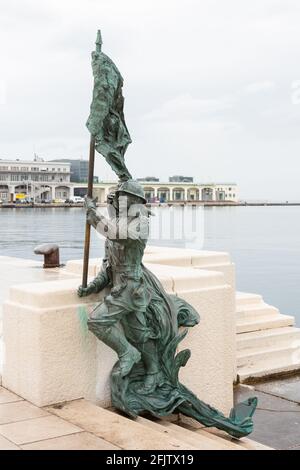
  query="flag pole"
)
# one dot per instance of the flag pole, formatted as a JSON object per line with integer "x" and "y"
{"x": 90, "y": 188}
{"x": 88, "y": 227}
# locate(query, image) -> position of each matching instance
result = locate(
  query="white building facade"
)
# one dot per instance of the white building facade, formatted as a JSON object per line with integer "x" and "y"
{"x": 36, "y": 181}
{"x": 39, "y": 181}
{"x": 174, "y": 192}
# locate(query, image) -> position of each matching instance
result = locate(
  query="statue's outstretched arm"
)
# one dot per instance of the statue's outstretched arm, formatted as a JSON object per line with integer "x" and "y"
{"x": 101, "y": 281}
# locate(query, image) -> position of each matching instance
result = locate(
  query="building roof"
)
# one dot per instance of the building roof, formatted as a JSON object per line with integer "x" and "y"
{"x": 31, "y": 162}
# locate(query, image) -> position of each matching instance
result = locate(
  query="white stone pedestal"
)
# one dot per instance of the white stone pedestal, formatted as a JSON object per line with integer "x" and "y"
{"x": 50, "y": 357}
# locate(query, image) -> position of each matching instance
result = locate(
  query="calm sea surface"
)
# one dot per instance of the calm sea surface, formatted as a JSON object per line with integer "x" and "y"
{"x": 264, "y": 243}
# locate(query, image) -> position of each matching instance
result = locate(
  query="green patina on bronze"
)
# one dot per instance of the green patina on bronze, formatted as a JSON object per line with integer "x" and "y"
{"x": 106, "y": 122}
{"x": 137, "y": 318}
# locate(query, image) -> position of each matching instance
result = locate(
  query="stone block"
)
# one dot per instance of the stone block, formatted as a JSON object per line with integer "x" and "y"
{"x": 50, "y": 356}
{"x": 210, "y": 370}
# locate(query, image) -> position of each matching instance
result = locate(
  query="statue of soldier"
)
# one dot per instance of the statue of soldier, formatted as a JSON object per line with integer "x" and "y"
{"x": 126, "y": 234}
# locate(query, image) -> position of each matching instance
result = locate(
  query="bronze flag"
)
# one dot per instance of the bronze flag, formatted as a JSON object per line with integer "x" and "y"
{"x": 106, "y": 122}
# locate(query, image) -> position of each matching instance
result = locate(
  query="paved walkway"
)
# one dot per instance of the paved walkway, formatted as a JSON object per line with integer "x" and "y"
{"x": 25, "y": 426}
{"x": 81, "y": 425}
{"x": 277, "y": 419}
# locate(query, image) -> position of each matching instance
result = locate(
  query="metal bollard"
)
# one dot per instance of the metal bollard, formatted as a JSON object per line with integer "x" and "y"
{"x": 51, "y": 255}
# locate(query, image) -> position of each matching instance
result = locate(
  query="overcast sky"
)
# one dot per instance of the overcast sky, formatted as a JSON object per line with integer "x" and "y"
{"x": 212, "y": 87}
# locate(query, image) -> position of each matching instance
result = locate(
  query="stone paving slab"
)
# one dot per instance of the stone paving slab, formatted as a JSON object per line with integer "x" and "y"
{"x": 32, "y": 430}
{"x": 79, "y": 441}
{"x": 287, "y": 388}
{"x": 5, "y": 444}
{"x": 279, "y": 427}
{"x": 8, "y": 397}
{"x": 19, "y": 411}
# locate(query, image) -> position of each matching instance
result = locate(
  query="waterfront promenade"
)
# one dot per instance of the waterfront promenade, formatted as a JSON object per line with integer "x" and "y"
{"x": 33, "y": 409}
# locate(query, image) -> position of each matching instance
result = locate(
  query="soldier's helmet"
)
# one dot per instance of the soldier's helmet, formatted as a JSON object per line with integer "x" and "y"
{"x": 132, "y": 187}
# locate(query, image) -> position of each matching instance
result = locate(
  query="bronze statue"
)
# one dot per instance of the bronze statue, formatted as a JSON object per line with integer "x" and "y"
{"x": 137, "y": 318}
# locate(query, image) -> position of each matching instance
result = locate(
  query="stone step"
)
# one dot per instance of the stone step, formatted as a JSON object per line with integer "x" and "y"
{"x": 201, "y": 441}
{"x": 265, "y": 338}
{"x": 139, "y": 434}
{"x": 264, "y": 323}
{"x": 243, "y": 298}
{"x": 217, "y": 443}
{"x": 261, "y": 370}
{"x": 220, "y": 436}
{"x": 273, "y": 354}
{"x": 121, "y": 431}
{"x": 253, "y": 311}
{"x": 245, "y": 442}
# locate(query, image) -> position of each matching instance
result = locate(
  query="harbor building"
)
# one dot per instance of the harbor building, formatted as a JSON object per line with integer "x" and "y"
{"x": 159, "y": 192}
{"x": 45, "y": 181}
{"x": 35, "y": 180}
{"x": 79, "y": 169}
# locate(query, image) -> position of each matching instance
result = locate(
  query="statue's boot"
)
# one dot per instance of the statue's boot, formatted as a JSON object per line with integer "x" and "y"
{"x": 150, "y": 383}
{"x": 114, "y": 338}
{"x": 153, "y": 376}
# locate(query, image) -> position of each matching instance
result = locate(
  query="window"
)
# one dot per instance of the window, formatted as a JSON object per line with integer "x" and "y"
{"x": 3, "y": 177}
{"x": 24, "y": 168}
{"x": 61, "y": 194}
{"x": 58, "y": 169}
{"x": 3, "y": 168}
{"x": 24, "y": 177}
{"x": 65, "y": 169}
{"x": 14, "y": 168}
{"x": 53, "y": 169}
{"x": 14, "y": 177}
{"x": 178, "y": 195}
{"x": 3, "y": 195}
{"x": 44, "y": 178}
{"x": 34, "y": 168}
